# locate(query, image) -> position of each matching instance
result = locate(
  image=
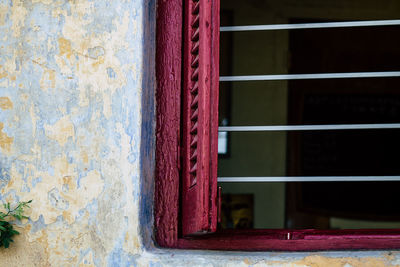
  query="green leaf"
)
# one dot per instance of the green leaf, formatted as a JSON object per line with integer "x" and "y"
{"x": 7, "y": 230}
{"x": 14, "y": 232}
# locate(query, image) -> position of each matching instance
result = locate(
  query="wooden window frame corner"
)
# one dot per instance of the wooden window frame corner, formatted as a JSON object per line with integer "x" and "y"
{"x": 167, "y": 213}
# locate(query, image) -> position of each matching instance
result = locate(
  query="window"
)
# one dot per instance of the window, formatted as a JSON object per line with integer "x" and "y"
{"x": 187, "y": 149}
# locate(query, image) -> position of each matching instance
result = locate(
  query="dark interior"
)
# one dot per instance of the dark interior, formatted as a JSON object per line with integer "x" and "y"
{"x": 308, "y": 102}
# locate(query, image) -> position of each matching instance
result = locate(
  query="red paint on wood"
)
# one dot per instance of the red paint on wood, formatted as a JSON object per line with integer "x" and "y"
{"x": 168, "y": 97}
{"x": 301, "y": 240}
{"x": 239, "y": 244}
{"x": 200, "y": 116}
{"x": 214, "y": 44}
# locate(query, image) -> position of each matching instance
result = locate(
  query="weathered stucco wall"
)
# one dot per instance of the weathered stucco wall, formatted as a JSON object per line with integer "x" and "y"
{"x": 76, "y": 136}
{"x": 71, "y": 79}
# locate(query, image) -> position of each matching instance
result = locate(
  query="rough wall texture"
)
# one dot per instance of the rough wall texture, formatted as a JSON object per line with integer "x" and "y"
{"x": 76, "y": 136}
{"x": 71, "y": 79}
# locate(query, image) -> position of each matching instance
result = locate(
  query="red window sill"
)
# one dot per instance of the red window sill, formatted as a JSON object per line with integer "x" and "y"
{"x": 300, "y": 240}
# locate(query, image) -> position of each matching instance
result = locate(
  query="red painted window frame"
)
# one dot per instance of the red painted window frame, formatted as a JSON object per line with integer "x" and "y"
{"x": 199, "y": 116}
{"x": 167, "y": 224}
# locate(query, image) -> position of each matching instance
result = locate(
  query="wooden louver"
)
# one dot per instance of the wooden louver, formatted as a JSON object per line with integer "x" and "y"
{"x": 200, "y": 116}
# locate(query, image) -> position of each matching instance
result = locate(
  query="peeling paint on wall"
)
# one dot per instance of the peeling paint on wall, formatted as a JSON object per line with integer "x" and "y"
{"x": 70, "y": 77}
{"x": 5, "y": 140}
{"x": 61, "y": 131}
{"x": 5, "y": 103}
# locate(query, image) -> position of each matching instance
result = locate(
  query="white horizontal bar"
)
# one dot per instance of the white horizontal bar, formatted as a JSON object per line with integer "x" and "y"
{"x": 310, "y": 25}
{"x": 308, "y": 127}
{"x": 309, "y": 76}
{"x": 307, "y": 179}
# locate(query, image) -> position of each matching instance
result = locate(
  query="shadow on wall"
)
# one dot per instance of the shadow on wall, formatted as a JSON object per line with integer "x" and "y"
{"x": 147, "y": 141}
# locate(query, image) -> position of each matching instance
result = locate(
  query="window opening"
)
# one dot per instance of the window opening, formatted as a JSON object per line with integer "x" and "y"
{"x": 310, "y": 108}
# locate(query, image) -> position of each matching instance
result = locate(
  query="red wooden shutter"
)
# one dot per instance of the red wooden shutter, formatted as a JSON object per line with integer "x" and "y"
{"x": 200, "y": 116}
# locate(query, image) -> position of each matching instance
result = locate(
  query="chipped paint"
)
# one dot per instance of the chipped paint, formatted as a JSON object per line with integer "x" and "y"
{"x": 5, "y": 103}
{"x": 77, "y": 137}
{"x": 5, "y": 140}
{"x": 70, "y": 83}
{"x": 61, "y": 131}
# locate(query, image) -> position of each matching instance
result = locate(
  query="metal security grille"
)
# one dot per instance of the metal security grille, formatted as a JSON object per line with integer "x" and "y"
{"x": 338, "y": 127}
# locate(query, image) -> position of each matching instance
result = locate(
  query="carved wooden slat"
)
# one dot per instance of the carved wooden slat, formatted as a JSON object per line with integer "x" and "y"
{"x": 200, "y": 115}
